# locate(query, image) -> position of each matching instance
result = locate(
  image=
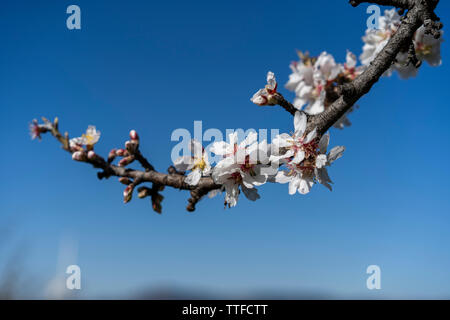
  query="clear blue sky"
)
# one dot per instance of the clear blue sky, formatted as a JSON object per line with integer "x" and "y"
{"x": 157, "y": 66}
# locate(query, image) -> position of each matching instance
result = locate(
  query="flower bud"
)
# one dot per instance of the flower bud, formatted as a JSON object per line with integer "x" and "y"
{"x": 125, "y": 180}
{"x": 134, "y": 135}
{"x": 126, "y": 161}
{"x": 143, "y": 192}
{"x": 156, "y": 202}
{"x": 127, "y": 194}
{"x": 79, "y": 156}
{"x": 131, "y": 146}
{"x": 91, "y": 155}
{"x": 121, "y": 153}
{"x": 112, "y": 155}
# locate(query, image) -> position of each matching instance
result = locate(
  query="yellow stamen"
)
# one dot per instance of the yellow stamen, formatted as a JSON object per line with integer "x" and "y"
{"x": 199, "y": 164}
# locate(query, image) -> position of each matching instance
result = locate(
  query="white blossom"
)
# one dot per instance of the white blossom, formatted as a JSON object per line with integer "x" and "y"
{"x": 240, "y": 167}
{"x": 88, "y": 139}
{"x": 375, "y": 40}
{"x": 426, "y": 46}
{"x": 313, "y": 78}
{"x": 304, "y": 157}
{"x": 197, "y": 163}
{"x": 265, "y": 96}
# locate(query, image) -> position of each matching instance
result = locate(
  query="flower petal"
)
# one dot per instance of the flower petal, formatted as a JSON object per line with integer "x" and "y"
{"x": 193, "y": 178}
{"x": 300, "y": 120}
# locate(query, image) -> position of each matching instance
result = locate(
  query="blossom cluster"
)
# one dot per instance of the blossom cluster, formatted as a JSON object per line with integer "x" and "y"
{"x": 315, "y": 80}
{"x": 299, "y": 159}
{"x": 82, "y": 147}
{"x": 427, "y": 47}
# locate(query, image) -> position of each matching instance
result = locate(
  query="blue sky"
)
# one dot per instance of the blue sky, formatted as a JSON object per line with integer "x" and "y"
{"x": 158, "y": 66}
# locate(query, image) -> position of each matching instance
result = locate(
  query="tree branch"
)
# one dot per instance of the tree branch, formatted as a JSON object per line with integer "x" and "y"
{"x": 403, "y": 4}
{"x": 419, "y": 12}
{"x": 159, "y": 180}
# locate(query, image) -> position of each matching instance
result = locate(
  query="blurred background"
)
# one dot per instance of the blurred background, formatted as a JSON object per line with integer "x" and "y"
{"x": 155, "y": 66}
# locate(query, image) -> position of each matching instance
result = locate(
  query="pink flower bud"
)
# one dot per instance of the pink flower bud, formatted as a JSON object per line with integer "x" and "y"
{"x": 131, "y": 146}
{"x": 134, "y": 135}
{"x": 125, "y": 161}
{"x": 91, "y": 155}
{"x": 112, "y": 155}
{"x": 79, "y": 156}
{"x": 121, "y": 152}
{"x": 35, "y": 132}
{"x": 127, "y": 194}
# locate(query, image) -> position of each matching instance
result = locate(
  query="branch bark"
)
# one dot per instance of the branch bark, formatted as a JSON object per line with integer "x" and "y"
{"x": 402, "y": 4}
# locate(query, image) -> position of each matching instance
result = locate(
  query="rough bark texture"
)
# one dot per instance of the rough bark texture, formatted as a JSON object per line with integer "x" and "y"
{"x": 419, "y": 12}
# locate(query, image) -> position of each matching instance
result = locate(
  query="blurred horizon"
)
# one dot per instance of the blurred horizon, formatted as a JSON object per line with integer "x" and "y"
{"x": 158, "y": 66}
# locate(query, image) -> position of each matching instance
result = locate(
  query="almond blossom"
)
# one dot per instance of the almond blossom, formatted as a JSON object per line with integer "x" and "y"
{"x": 88, "y": 139}
{"x": 240, "y": 167}
{"x": 292, "y": 148}
{"x": 264, "y": 97}
{"x": 301, "y": 80}
{"x": 304, "y": 157}
{"x": 375, "y": 40}
{"x": 36, "y": 129}
{"x": 197, "y": 163}
{"x": 315, "y": 81}
{"x": 426, "y": 46}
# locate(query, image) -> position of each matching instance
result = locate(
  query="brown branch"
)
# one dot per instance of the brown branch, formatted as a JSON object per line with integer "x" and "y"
{"x": 403, "y": 4}
{"x": 159, "y": 180}
{"x": 286, "y": 105}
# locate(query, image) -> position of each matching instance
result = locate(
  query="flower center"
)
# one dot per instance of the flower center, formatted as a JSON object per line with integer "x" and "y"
{"x": 89, "y": 138}
{"x": 200, "y": 164}
{"x": 247, "y": 166}
{"x": 423, "y": 49}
